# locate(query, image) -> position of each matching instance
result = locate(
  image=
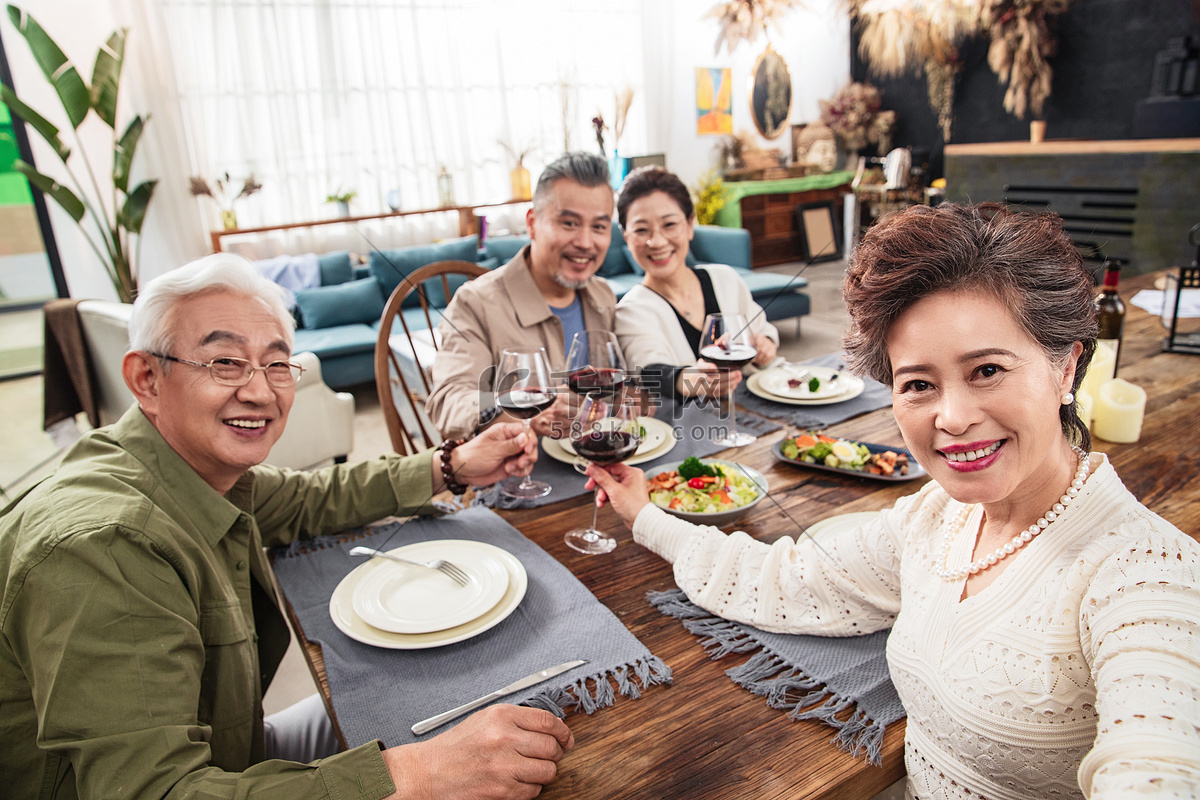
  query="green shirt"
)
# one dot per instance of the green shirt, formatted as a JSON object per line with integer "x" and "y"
{"x": 139, "y": 626}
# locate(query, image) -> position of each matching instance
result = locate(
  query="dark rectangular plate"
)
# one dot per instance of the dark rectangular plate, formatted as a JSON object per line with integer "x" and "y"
{"x": 915, "y": 470}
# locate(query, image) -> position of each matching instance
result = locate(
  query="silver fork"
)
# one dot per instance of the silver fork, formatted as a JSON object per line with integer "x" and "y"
{"x": 441, "y": 565}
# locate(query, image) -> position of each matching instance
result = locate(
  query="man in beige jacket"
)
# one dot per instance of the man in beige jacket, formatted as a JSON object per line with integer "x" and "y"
{"x": 546, "y": 294}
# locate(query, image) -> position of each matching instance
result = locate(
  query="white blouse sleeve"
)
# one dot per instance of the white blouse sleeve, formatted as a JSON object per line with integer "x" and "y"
{"x": 848, "y": 586}
{"x": 1138, "y": 625}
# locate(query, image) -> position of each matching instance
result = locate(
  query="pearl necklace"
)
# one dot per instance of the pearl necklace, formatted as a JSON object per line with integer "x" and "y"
{"x": 952, "y": 531}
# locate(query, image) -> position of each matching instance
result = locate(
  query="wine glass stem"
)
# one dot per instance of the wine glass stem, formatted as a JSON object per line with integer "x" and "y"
{"x": 732, "y": 414}
{"x": 527, "y": 481}
{"x": 595, "y": 514}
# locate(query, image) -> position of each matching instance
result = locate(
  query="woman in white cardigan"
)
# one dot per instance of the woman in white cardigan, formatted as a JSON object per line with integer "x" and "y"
{"x": 1044, "y": 636}
{"x": 660, "y": 321}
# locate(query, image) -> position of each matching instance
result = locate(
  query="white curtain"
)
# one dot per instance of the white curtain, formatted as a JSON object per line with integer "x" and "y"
{"x": 317, "y": 96}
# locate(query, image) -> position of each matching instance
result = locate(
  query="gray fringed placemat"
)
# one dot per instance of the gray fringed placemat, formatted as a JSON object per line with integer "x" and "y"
{"x": 875, "y": 396}
{"x": 693, "y": 425}
{"x": 379, "y": 693}
{"x": 815, "y": 677}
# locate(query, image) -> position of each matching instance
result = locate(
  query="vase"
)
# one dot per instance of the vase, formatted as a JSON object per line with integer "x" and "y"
{"x": 618, "y": 168}
{"x": 520, "y": 183}
{"x": 343, "y": 208}
{"x": 229, "y": 219}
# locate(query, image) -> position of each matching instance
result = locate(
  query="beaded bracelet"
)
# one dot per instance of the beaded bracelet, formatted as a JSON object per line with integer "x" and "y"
{"x": 448, "y": 474}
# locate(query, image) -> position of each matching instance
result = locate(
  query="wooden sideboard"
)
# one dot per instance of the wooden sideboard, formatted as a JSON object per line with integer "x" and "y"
{"x": 768, "y": 210}
{"x": 1132, "y": 199}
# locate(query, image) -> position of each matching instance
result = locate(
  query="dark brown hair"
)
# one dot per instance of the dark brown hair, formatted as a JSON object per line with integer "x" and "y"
{"x": 1024, "y": 260}
{"x": 647, "y": 180}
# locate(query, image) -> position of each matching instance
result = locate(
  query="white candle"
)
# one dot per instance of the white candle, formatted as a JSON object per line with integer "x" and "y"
{"x": 1119, "y": 411}
{"x": 1085, "y": 405}
{"x": 1102, "y": 368}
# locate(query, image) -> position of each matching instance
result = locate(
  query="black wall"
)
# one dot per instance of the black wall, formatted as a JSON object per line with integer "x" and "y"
{"x": 1105, "y": 61}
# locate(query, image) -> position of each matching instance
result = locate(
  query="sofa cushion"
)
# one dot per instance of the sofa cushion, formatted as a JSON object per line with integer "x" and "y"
{"x": 340, "y": 304}
{"x": 336, "y": 268}
{"x": 342, "y": 340}
{"x": 504, "y": 248}
{"x": 615, "y": 260}
{"x": 390, "y": 267}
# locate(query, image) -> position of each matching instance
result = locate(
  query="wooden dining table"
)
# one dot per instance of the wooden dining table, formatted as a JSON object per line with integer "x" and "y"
{"x": 703, "y": 736}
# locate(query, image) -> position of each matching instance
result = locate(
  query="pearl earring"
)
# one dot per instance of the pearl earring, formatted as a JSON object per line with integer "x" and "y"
{"x": 1068, "y": 398}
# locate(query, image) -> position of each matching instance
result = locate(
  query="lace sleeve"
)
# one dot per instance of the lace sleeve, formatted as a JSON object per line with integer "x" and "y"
{"x": 1139, "y": 631}
{"x": 850, "y": 585}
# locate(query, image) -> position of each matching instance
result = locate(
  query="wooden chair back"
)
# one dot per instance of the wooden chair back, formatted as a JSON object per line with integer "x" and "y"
{"x": 402, "y": 391}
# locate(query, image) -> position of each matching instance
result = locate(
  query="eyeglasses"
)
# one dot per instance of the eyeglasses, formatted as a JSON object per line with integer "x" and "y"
{"x": 230, "y": 371}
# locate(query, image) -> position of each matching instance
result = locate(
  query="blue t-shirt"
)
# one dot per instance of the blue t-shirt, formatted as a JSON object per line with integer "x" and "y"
{"x": 572, "y": 321}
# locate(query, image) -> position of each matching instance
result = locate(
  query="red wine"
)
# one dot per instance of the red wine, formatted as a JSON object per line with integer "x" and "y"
{"x": 606, "y": 447}
{"x": 735, "y": 356}
{"x": 589, "y": 380}
{"x": 525, "y": 403}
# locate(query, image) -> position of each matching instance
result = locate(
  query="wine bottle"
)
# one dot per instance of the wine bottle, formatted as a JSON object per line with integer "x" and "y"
{"x": 1110, "y": 311}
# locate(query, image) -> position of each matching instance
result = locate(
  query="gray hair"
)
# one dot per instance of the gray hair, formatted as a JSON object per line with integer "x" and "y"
{"x": 150, "y": 326}
{"x": 586, "y": 169}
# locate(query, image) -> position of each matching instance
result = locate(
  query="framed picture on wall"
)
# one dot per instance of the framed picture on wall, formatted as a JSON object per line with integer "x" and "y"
{"x": 714, "y": 100}
{"x": 819, "y": 237}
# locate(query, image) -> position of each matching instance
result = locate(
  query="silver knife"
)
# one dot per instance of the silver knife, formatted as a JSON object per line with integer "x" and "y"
{"x": 424, "y": 726}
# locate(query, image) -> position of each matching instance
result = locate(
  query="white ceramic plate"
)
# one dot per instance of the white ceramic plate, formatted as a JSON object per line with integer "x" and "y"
{"x": 656, "y": 431}
{"x": 341, "y": 610}
{"x": 408, "y": 599}
{"x": 778, "y": 381}
{"x": 855, "y": 387}
{"x": 831, "y": 526}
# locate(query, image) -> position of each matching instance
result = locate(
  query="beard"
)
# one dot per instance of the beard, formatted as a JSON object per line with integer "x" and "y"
{"x": 567, "y": 283}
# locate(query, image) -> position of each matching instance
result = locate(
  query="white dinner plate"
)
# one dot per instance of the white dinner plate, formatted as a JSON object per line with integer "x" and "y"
{"x": 855, "y": 387}
{"x": 778, "y": 381}
{"x": 831, "y": 526}
{"x": 658, "y": 432}
{"x": 409, "y": 599}
{"x": 341, "y": 610}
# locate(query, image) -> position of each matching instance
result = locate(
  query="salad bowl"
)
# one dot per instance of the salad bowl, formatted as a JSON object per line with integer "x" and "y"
{"x": 742, "y": 477}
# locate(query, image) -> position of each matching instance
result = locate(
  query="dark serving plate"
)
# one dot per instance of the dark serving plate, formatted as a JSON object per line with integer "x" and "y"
{"x": 915, "y": 470}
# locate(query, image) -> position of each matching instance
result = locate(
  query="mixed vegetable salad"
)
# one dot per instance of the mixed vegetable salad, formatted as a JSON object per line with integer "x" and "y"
{"x": 817, "y": 448}
{"x": 702, "y": 488}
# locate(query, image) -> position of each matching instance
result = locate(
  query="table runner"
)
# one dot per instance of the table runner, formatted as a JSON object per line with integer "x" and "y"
{"x": 874, "y": 396}
{"x": 795, "y": 671}
{"x": 379, "y": 693}
{"x": 692, "y": 423}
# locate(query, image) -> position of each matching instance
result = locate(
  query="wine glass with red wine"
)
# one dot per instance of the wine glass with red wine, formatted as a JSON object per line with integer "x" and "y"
{"x": 728, "y": 344}
{"x": 595, "y": 364}
{"x": 605, "y": 431}
{"x": 525, "y": 388}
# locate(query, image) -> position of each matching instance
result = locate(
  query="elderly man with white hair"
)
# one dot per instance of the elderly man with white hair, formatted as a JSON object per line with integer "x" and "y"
{"x": 138, "y": 623}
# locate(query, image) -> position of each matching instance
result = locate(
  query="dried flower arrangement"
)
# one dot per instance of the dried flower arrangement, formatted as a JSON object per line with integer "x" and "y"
{"x": 743, "y": 19}
{"x": 599, "y": 126}
{"x": 224, "y": 195}
{"x": 623, "y": 100}
{"x": 1021, "y": 44}
{"x": 517, "y": 155}
{"x": 855, "y": 115}
{"x": 897, "y": 36}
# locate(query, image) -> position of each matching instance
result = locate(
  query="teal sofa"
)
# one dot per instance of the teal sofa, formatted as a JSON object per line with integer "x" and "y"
{"x": 339, "y": 321}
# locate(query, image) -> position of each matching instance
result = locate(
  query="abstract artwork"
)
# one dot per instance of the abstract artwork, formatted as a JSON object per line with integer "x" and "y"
{"x": 714, "y": 100}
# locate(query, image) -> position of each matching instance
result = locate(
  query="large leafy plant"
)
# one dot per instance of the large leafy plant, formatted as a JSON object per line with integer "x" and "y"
{"x": 110, "y": 226}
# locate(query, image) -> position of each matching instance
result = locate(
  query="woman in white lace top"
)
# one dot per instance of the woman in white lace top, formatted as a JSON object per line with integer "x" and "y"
{"x": 1045, "y": 637}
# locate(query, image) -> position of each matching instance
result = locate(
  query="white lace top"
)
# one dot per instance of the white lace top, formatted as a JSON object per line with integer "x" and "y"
{"x": 1075, "y": 673}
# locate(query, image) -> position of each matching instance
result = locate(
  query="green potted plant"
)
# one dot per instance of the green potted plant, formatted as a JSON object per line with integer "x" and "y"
{"x": 109, "y": 228}
{"x": 342, "y": 198}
